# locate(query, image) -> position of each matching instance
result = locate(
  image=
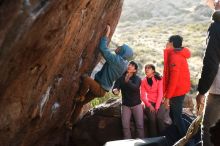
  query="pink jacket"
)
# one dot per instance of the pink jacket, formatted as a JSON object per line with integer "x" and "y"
{"x": 152, "y": 93}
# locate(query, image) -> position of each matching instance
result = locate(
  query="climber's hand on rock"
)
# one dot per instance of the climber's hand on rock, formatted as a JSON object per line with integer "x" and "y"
{"x": 108, "y": 30}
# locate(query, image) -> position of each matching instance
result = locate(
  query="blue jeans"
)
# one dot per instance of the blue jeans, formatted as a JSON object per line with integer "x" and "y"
{"x": 176, "y": 107}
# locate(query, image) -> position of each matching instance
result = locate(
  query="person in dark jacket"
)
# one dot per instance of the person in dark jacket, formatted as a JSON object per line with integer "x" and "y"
{"x": 115, "y": 65}
{"x": 210, "y": 79}
{"x": 129, "y": 85}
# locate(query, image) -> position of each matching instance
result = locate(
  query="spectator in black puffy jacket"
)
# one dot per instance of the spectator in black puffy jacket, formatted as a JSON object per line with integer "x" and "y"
{"x": 210, "y": 79}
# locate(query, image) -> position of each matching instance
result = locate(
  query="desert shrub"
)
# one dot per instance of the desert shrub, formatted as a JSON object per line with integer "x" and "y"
{"x": 98, "y": 101}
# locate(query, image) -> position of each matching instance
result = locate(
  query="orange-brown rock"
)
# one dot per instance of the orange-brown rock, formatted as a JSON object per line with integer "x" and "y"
{"x": 45, "y": 45}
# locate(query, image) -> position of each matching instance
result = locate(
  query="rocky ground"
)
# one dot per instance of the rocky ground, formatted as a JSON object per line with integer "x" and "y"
{"x": 103, "y": 123}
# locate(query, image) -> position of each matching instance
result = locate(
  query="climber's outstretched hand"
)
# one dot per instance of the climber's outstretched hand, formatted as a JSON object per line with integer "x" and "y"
{"x": 108, "y": 30}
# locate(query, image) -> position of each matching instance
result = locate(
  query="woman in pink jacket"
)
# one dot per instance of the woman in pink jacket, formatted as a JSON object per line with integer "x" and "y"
{"x": 151, "y": 95}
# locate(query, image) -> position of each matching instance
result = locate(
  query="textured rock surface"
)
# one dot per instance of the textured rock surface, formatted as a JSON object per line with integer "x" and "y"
{"x": 45, "y": 45}
{"x": 101, "y": 124}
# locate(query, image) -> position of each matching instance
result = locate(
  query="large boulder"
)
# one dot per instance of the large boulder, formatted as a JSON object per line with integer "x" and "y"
{"x": 45, "y": 45}
{"x": 101, "y": 124}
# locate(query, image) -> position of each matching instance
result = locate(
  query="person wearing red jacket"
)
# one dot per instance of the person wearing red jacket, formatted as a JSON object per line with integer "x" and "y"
{"x": 151, "y": 95}
{"x": 176, "y": 80}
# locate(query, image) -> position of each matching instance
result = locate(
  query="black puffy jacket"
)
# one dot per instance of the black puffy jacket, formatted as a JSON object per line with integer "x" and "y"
{"x": 212, "y": 56}
{"x": 130, "y": 90}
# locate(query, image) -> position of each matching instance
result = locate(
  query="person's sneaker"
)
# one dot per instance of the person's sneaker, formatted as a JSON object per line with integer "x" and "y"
{"x": 79, "y": 99}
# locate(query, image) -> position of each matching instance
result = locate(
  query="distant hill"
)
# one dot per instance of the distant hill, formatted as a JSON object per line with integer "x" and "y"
{"x": 160, "y": 10}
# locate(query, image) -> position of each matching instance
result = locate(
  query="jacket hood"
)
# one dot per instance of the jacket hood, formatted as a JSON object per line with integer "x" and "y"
{"x": 184, "y": 52}
{"x": 125, "y": 52}
{"x": 216, "y": 16}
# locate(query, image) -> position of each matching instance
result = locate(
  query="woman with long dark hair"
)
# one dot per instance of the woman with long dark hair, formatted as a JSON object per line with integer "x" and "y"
{"x": 151, "y": 95}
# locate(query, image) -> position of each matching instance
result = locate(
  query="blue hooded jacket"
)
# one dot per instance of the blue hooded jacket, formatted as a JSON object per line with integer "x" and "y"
{"x": 115, "y": 65}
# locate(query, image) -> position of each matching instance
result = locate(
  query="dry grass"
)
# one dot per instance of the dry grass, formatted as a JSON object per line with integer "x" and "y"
{"x": 146, "y": 28}
{"x": 149, "y": 42}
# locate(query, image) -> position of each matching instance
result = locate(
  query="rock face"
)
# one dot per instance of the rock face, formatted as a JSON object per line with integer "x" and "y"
{"x": 100, "y": 125}
{"x": 45, "y": 45}
{"x": 103, "y": 124}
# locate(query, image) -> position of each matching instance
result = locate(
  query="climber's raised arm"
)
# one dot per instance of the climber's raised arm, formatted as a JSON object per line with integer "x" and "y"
{"x": 108, "y": 30}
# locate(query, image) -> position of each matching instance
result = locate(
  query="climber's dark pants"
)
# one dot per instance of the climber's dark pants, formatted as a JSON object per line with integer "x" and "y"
{"x": 211, "y": 116}
{"x": 91, "y": 89}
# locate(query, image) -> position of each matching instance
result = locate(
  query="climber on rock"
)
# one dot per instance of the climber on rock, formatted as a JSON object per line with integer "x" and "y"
{"x": 115, "y": 65}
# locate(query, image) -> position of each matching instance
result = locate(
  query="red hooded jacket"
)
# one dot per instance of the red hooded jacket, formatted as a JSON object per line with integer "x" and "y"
{"x": 176, "y": 72}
